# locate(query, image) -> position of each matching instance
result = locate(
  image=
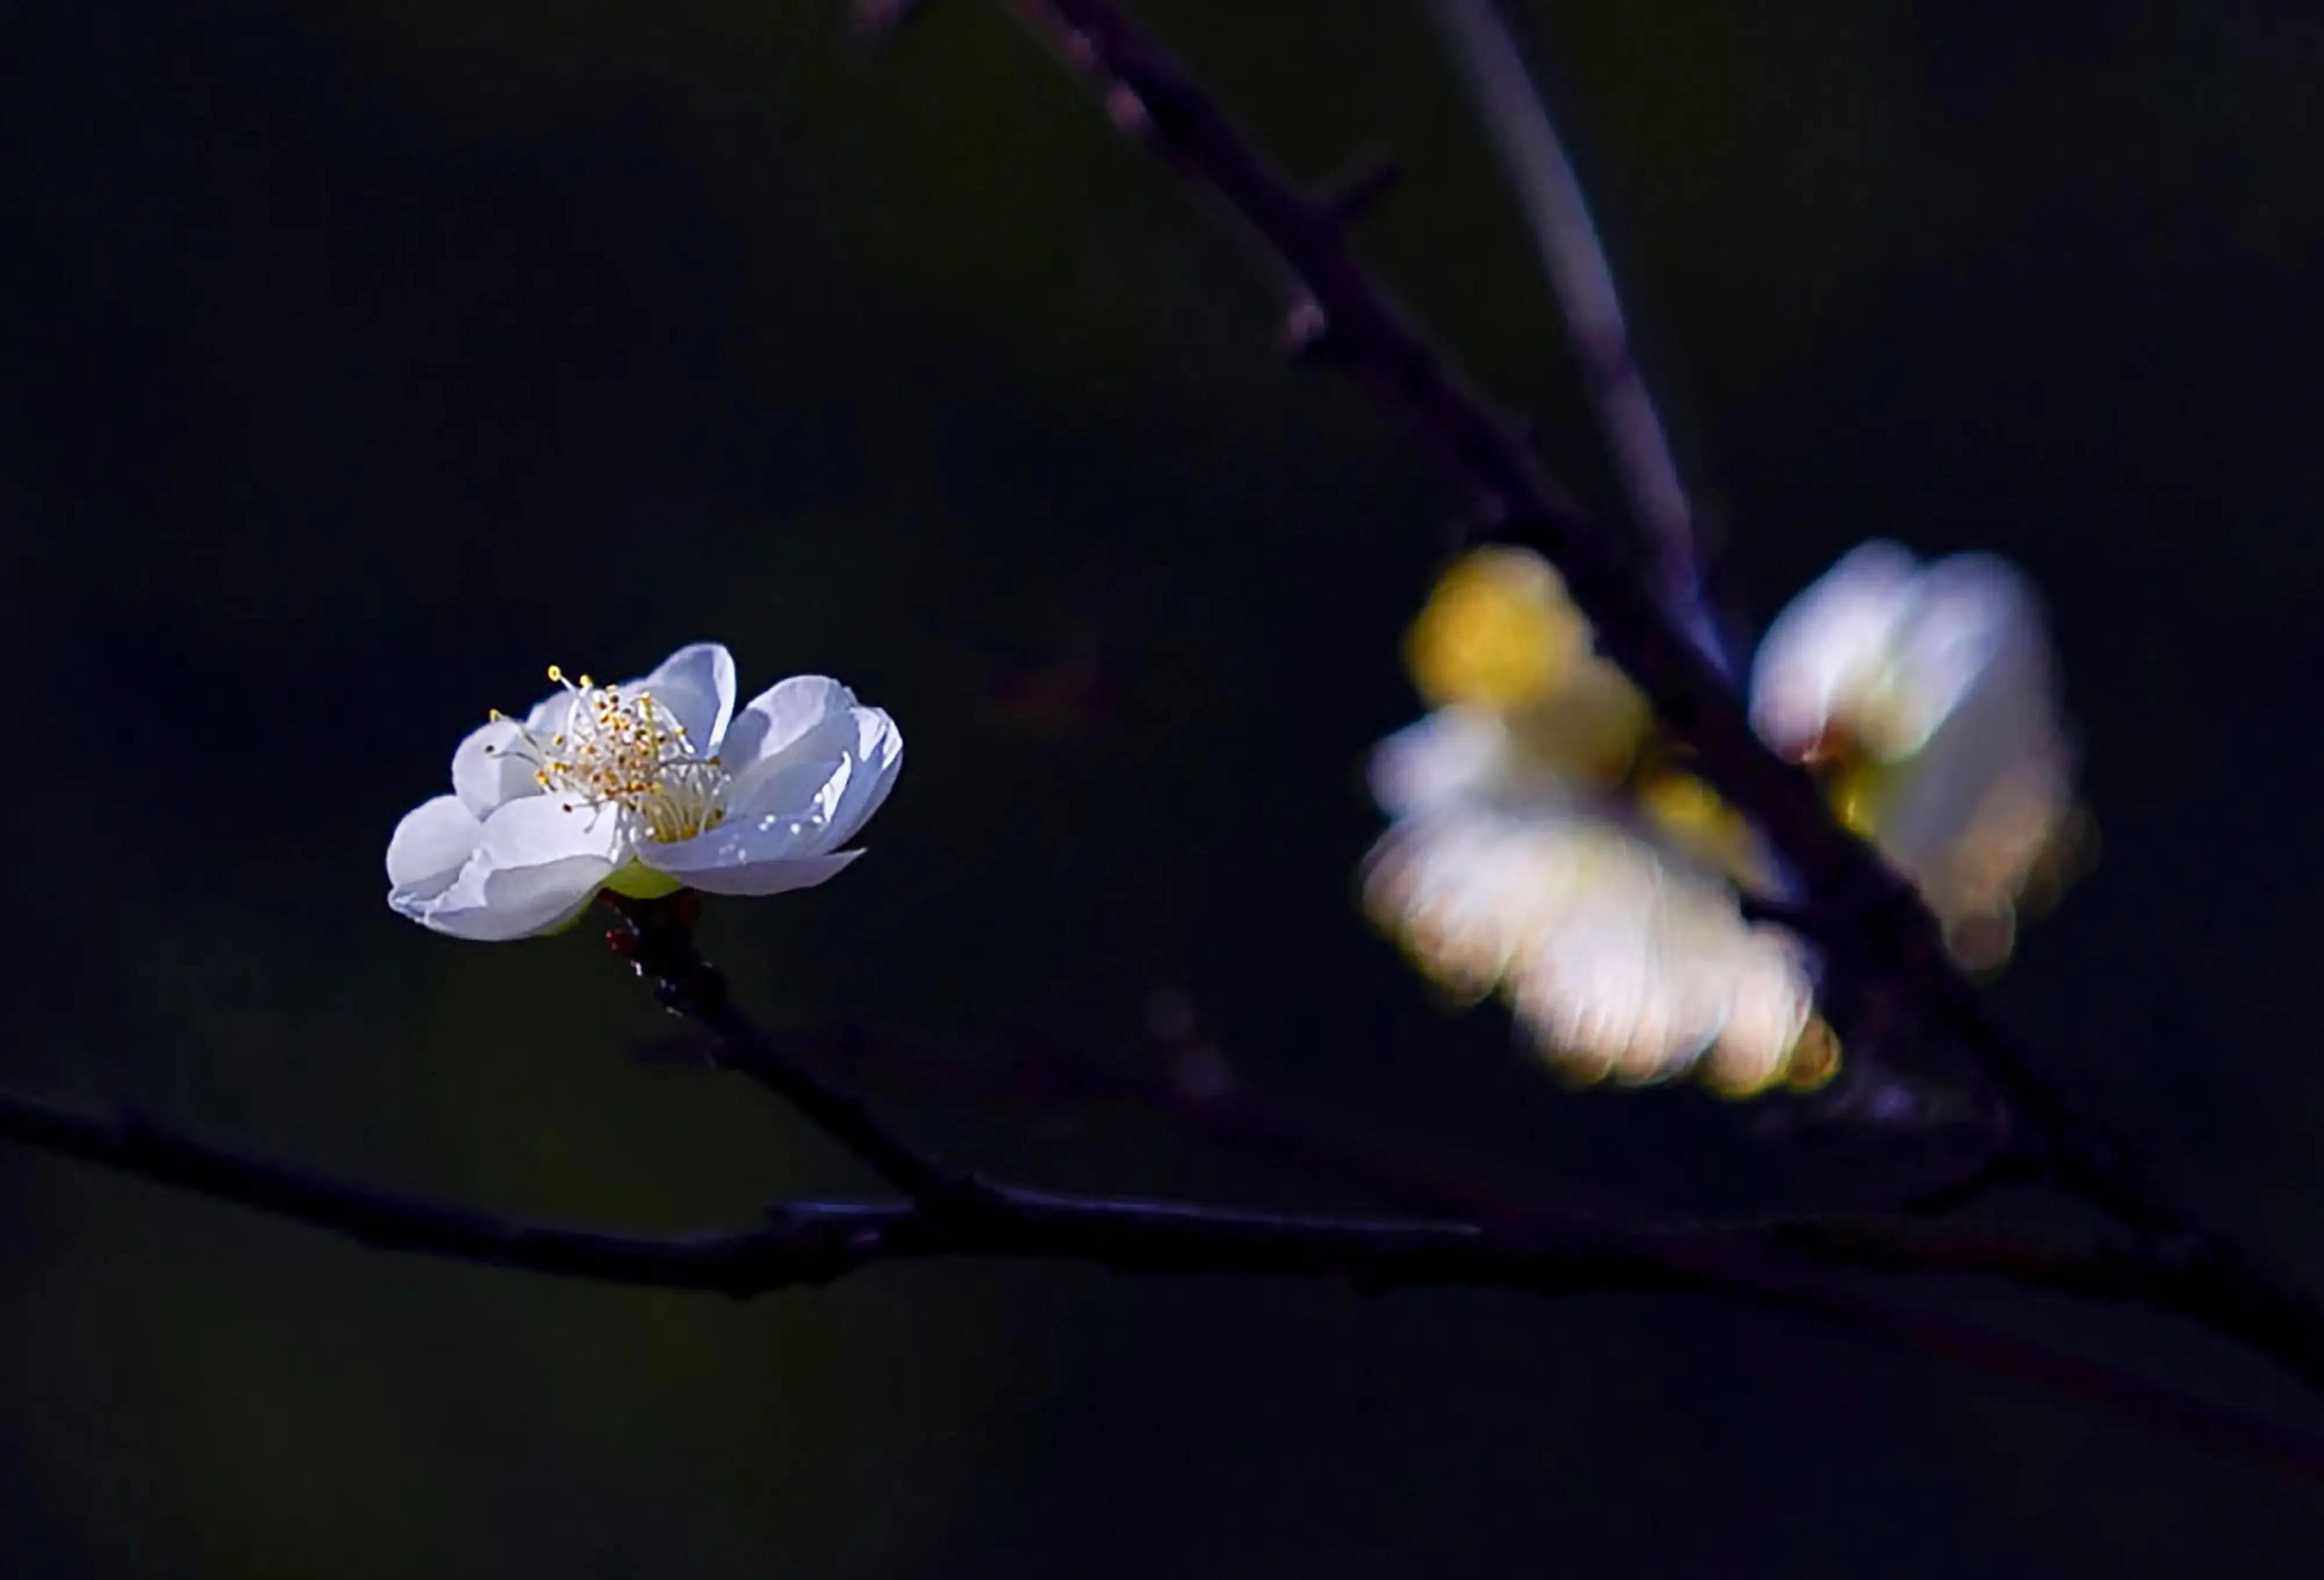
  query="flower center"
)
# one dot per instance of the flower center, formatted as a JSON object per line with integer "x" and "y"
{"x": 626, "y": 751}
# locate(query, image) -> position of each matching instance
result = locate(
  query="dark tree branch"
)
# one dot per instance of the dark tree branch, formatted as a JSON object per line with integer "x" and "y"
{"x": 804, "y": 1243}
{"x": 2186, "y": 1276}
{"x": 1865, "y": 915}
{"x": 1871, "y": 918}
{"x": 802, "y": 1249}
{"x": 1866, "y": 910}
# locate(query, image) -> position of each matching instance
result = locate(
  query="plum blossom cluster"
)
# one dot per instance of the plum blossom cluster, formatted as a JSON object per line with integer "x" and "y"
{"x": 1550, "y": 844}
{"x": 643, "y": 787}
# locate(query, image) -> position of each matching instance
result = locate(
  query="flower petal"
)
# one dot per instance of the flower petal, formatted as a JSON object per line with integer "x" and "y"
{"x": 486, "y": 775}
{"x": 1622, "y": 959}
{"x": 696, "y": 686}
{"x": 877, "y": 756}
{"x": 548, "y": 716}
{"x": 1769, "y": 1007}
{"x": 493, "y": 906}
{"x": 1973, "y": 623}
{"x": 770, "y": 878}
{"x": 538, "y": 829}
{"x": 1451, "y": 751}
{"x": 781, "y": 715}
{"x": 838, "y": 774}
{"x": 1830, "y": 647}
{"x": 800, "y": 778}
{"x": 432, "y": 843}
{"x": 534, "y": 867}
{"x": 778, "y": 836}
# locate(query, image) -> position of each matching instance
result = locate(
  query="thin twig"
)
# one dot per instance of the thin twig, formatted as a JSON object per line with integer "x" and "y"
{"x": 657, "y": 937}
{"x": 1510, "y": 105}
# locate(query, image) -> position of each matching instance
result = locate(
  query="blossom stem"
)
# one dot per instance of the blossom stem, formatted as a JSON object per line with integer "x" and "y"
{"x": 656, "y": 936}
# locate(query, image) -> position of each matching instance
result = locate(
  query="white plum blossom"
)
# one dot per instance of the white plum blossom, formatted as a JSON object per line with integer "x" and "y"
{"x": 1923, "y": 695}
{"x": 1615, "y": 939}
{"x": 1550, "y": 843}
{"x": 644, "y": 788}
{"x": 1546, "y": 845}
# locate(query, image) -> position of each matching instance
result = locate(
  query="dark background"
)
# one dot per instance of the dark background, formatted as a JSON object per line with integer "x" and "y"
{"x": 358, "y": 359}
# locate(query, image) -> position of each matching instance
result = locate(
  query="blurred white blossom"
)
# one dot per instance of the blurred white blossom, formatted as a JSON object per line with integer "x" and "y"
{"x": 645, "y": 787}
{"x": 1924, "y": 696}
{"x": 1548, "y": 845}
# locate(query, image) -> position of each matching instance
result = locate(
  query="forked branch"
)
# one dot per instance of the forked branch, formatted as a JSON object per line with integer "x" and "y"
{"x": 1790, "y": 1266}
{"x": 1866, "y": 916}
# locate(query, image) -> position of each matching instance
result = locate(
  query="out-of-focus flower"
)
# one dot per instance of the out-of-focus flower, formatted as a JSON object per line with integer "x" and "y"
{"x": 645, "y": 787}
{"x": 1499, "y": 637}
{"x": 1548, "y": 844}
{"x": 1923, "y": 695}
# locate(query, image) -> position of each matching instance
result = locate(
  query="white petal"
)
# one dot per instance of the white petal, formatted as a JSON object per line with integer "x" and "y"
{"x": 486, "y": 775}
{"x": 431, "y": 843}
{"x": 835, "y": 776}
{"x": 771, "y": 836}
{"x": 535, "y": 865}
{"x": 697, "y": 684}
{"x": 1452, "y": 751}
{"x": 1973, "y": 621}
{"x": 548, "y": 716}
{"x": 1957, "y": 698}
{"x": 542, "y": 828}
{"x": 801, "y": 777}
{"x": 876, "y": 758}
{"x": 770, "y": 877}
{"x": 493, "y": 906}
{"x": 1830, "y": 646}
{"x": 1770, "y": 1003}
{"x": 1466, "y": 888}
{"x": 1622, "y": 959}
{"x": 1589, "y": 977}
{"x": 781, "y": 715}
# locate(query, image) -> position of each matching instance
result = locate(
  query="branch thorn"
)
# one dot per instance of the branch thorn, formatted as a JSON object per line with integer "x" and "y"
{"x": 1308, "y": 339}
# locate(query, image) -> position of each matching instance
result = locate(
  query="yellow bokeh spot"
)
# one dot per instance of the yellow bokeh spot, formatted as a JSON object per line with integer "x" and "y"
{"x": 1594, "y": 727}
{"x": 1815, "y": 1057}
{"x": 1857, "y": 787}
{"x": 1498, "y": 632}
{"x": 1812, "y": 1062}
{"x": 1691, "y": 815}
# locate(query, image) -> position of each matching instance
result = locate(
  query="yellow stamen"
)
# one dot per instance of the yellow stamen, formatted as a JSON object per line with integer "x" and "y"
{"x": 628, "y": 753}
